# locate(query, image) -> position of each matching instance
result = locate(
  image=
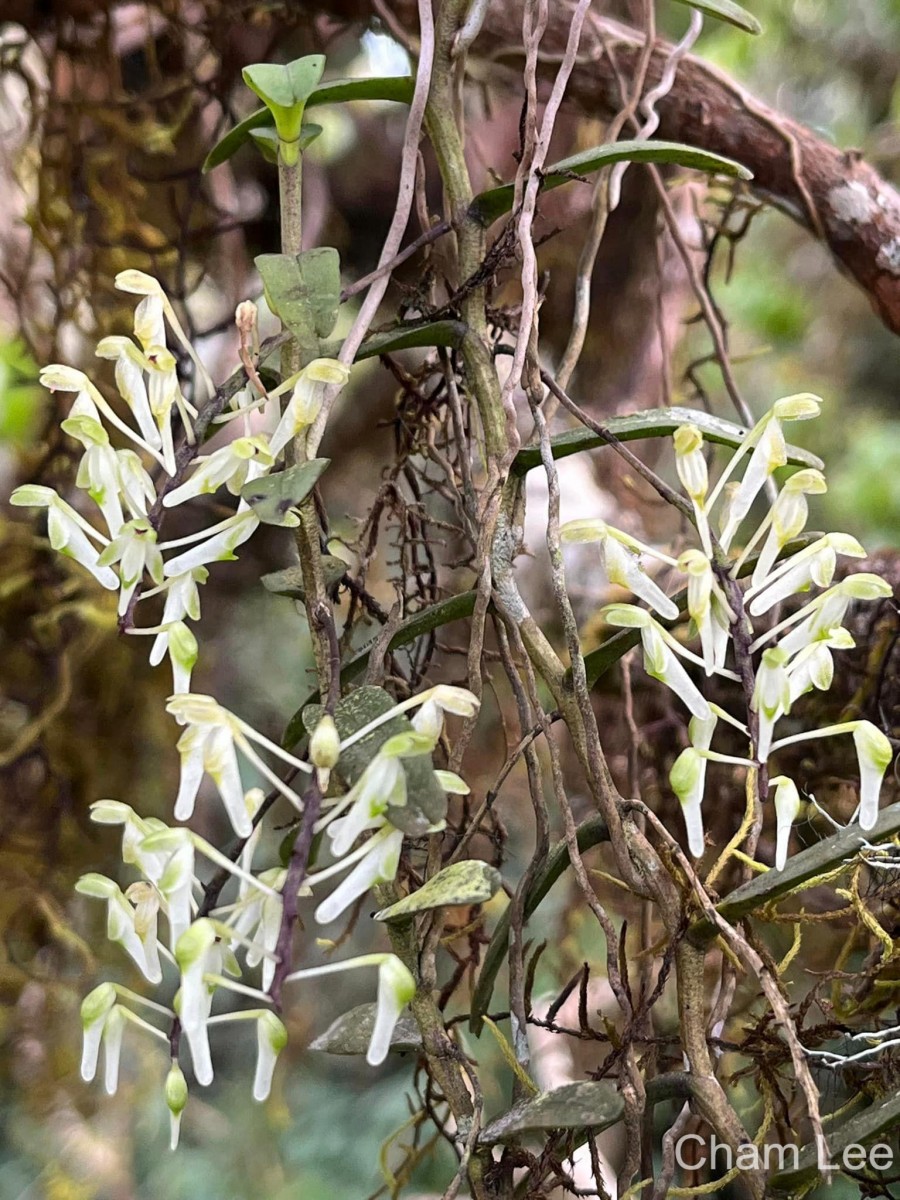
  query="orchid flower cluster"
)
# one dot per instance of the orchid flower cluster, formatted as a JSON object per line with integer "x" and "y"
{"x": 203, "y": 951}
{"x": 204, "y": 954}
{"x": 126, "y": 555}
{"x": 789, "y": 658}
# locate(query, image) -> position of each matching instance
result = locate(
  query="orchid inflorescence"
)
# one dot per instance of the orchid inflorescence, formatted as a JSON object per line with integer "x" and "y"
{"x": 788, "y": 660}
{"x": 201, "y": 948}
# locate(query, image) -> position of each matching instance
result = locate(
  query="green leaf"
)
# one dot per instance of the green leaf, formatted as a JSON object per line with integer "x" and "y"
{"x": 488, "y": 206}
{"x": 351, "y": 1032}
{"x": 590, "y": 833}
{"x": 426, "y": 803}
{"x": 799, "y": 869}
{"x": 304, "y": 292}
{"x": 285, "y": 88}
{"x": 405, "y": 337}
{"x": 289, "y": 582}
{"x": 432, "y": 333}
{"x": 266, "y": 141}
{"x": 399, "y": 89}
{"x": 587, "y": 1105}
{"x": 726, "y": 10}
{"x": 651, "y": 423}
{"x": 883, "y": 1117}
{"x": 273, "y": 497}
{"x": 461, "y": 883}
{"x": 455, "y": 608}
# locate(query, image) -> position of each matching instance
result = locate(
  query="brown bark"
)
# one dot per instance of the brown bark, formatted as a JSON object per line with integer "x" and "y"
{"x": 832, "y": 192}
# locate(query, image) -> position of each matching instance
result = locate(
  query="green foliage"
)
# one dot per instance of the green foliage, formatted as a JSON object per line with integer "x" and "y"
{"x": 21, "y": 400}
{"x": 727, "y": 10}
{"x": 488, "y": 206}
{"x": 304, "y": 292}
{"x": 339, "y": 91}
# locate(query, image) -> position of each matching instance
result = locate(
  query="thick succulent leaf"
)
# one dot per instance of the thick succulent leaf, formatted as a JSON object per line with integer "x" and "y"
{"x": 273, "y": 496}
{"x": 461, "y": 883}
{"x": 589, "y": 1105}
{"x": 289, "y": 582}
{"x": 426, "y": 802}
{"x": 405, "y": 337}
{"x": 590, "y": 833}
{"x": 350, "y": 1033}
{"x": 651, "y": 423}
{"x": 396, "y": 88}
{"x": 284, "y": 85}
{"x": 878, "y": 1119}
{"x": 304, "y": 292}
{"x": 488, "y": 206}
{"x": 455, "y": 608}
{"x": 727, "y": 10}
{"x": 799, "y": 869}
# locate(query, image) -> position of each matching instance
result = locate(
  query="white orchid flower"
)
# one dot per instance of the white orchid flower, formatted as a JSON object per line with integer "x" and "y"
{"x": 815, "y": 565}
{"x": 396, "y": 987}
{"x": 68, "y": 532}
{"x": 382, "y": 784}
{"x": 139, "y": 945}
{"x": 257, "y": 919}
{"x": 787, "y": 807}
{"x": 690, "y": 464}
{"x": 59, "y": 378}
{"x": 176, "y": 1097}
{"x": 306, "y": 400}
{"x": 182, "y": 600}
{"x": 232, "y": 466}
{"x": 136, "y": 552}
{"x": 687, "y": 779}
{"x": 768, "y": 453}
{"x": 660, "y": 651}
{"x": 198, "y": 953}
{"x": 95, "y": 1010}
{"x": 708, "y": 608}
{"x": 135, "y": 485}
{"x": 619, "y": 554}
{"x": 813, "y": 667}
{"x": 130, "y": 367}
{"x": 147, "y": 318}
{"x": 209, "y": 749}
{"x": 786, "y": 520}
{"x": 376, "y": 863}
{"x": 219, "y": 547}
{"x": 271, "y": 1039}
{"x": 874, "y": 754}
{"x": 818, "y": 618}
{"x": 771, "y": 696}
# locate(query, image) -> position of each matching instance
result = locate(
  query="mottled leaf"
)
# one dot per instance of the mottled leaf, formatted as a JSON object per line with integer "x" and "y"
{"x": 273, "y": 496}
{"x": 304, "y": 292}
{"x": 880, "y": 1118}
{"x": 405, "y": 337}
{"x": 350, "y": 1033}
{"x": 289, "y": 581}
{"x": 589, "y": 1104}
{"x": 461, "y": 883}
{"x": 426, "y": 802}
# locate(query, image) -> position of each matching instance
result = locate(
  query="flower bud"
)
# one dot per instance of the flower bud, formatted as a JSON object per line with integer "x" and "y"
{"x": 176, "y": 1094}
{"x": 325, "y": 744}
